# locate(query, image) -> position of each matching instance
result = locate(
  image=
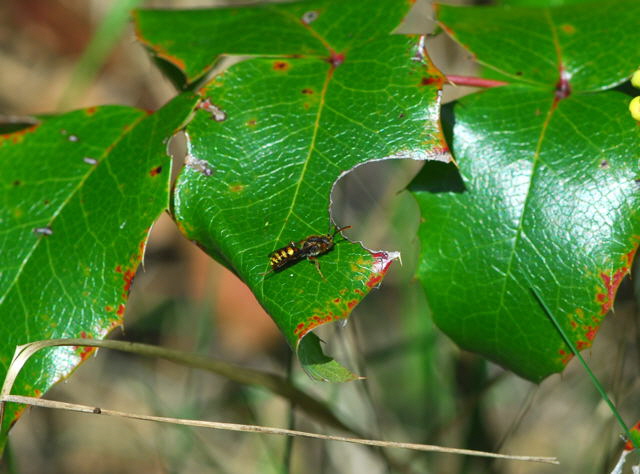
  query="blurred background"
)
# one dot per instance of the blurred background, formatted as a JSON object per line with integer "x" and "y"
{"x": 57, "y": 55}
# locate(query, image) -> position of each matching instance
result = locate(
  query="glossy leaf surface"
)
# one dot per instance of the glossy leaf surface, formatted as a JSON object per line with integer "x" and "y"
{"x": 531, "y": 45}
{"x": 79, "y": 194}
{"x": 194, "y": 40}
{"x": 329, "y": 91}
{"x": 548, "y": 194}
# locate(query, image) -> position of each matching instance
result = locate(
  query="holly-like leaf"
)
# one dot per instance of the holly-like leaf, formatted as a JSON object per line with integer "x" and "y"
{"x": 549, "y": 195}
{"x": 79, "y": 194}
{"x": 537, "y": 46}
{"x": 274, "y": 133}
{"x": 193, "y": 41}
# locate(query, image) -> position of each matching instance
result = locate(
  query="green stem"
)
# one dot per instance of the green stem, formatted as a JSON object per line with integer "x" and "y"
{"x": 97, "y": 51}
{"x": 575, "y": 351}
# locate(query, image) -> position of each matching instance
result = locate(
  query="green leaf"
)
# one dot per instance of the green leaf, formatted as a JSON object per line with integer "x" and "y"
{"x": 79, "y": 194}
{"x": 551, "y": 193}
{"x": 193, "y": 40}
{"x": 548, "y": 185}
{"x": 273, "y": 134}
{"x": 532, "y": 45}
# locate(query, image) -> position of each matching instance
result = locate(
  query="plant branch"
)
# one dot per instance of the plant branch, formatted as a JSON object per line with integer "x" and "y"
{"x": 263, "y": 429}
{"x": 274, "y": 383}
{"x": 475, "y": 81}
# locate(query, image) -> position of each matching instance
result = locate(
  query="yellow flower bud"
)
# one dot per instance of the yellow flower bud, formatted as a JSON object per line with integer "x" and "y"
{"x": 634, "y": 108}
{"x": 635, "y": 79}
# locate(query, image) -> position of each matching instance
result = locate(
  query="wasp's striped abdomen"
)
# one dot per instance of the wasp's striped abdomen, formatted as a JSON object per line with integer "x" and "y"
{"x": 284, "y": 256}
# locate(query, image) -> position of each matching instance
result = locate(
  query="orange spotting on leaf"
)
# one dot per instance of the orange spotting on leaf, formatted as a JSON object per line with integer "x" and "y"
{"x": 374, "y": 281}
{"x": 84, "y": 351}
{"x": 108, "y": 308}
{"x": 236, "y": 188}
{"x": 17, "y": 137}
{"x": 352, "y": 304}
{"x": 629, "y": 256}
{"x": 128, "y": 280}
{"x": 91, "y": 110}
{"x": 164, "y": 54}
{"x": 426, "y": 81}
{"x": 336, "y": 300}
{"x": 118, "y": 269}
{"x": 591, "y": 333}
{"x": 156, "y": 171}
{"x": 565, "y": 356}
{"x": 582, "y": 345}
{"x": 307, "y": 91}
{"x": 251, "y": 123}
{"x": 120, "y": 311}
{"x": 611, "y": 284}
{"x": 568, "y": 29}
{"x": 629, "y": 444}
{"x": 281, "y": 65}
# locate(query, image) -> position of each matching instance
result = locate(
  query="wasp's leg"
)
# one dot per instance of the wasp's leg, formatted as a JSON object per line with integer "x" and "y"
{"x": 268, "y": 272}
{"x": 314, "y": 260}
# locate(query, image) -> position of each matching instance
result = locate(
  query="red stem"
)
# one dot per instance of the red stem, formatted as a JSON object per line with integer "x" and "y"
{"x": 475, "y": 81}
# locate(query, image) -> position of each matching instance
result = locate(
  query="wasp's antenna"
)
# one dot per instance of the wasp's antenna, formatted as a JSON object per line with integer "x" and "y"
{"x": 340, "y": 230}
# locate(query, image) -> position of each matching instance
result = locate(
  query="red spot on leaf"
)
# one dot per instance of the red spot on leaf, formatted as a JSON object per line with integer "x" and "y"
{"x": 251, "y": 123}
{"x": 236, "y": 188}
{"x": 108, "y": 308}
{"x": 156, "y": 171}
{"x": 120, "y": 311}
{"x": 128, "y": 280}
{"x": 611, "y": 284}
{"x": 374, "y": 281}
{"x": 351, "y": 304}
{"x": 307, "y": 91}
{"x": 118, "y": 269}
{"x": 629, "y": 444}
{"x": 91, "y": 110}
{"x": 281, "y": 65}
{"x": 565, "y": 356}
{"x": 563, "y": 88}
{"x": 336, "y": 59}
{"x": 582, "y": 345}
{"x": 85, "y": 351}
{"x": 426, "y": 81}
{"x": 337, "y": 300}
{"x": 591, "y": 333}
{"x": 612, "y": 281}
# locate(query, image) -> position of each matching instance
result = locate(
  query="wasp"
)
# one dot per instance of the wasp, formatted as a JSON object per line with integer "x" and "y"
{"x": 310, "y": 248}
